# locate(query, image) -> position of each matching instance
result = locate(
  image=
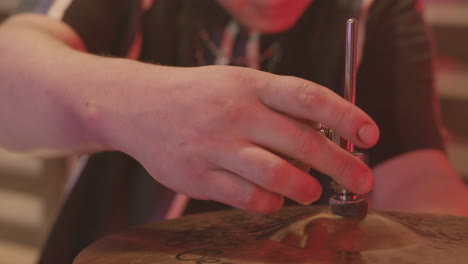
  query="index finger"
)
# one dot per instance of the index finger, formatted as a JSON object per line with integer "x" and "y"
{"x": 303, "y": 99}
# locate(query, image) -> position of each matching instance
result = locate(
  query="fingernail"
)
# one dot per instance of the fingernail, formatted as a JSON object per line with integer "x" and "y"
{"x": 368, "y": 134}
{"x": 365, "y": 183}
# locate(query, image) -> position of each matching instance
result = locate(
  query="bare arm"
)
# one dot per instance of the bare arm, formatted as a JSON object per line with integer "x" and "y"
{"x": 208, "y": 132}
{"x": 421, "y": 180}
{"x": 38, "y": 59}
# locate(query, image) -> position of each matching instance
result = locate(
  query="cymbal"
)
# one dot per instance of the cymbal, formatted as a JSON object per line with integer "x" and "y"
{"x": 298, "y": 234}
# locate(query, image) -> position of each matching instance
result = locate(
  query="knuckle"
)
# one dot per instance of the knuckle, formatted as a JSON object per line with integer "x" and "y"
{"x": 246, "y": 198}
{"x": 345, "y": 115}
{"x": 246, "y": 77}
{"x": 233, "y": 113}
{"x": 309, "y": 95}
{"x": 306, "y": 142}
{"x": 345, "y": 167}
{"x": 199, "y": 177}
{"x": 255, "y": 199}
{"x": 272, "y": 174}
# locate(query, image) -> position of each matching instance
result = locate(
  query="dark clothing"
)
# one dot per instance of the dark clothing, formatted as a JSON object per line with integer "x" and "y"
{"x": 394, "y": 80}
{"x": 395, "y": 87}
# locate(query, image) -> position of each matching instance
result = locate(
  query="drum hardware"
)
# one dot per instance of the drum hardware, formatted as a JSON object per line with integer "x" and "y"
{"x": 297, "y": 234}
{"x": 345, "y": 232}
{"x": 346, "y": 203}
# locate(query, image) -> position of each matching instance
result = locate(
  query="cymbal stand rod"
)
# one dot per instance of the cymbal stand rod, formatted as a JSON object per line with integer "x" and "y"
{"x": 350, "y": 69}
{"x": 344, "y": 202}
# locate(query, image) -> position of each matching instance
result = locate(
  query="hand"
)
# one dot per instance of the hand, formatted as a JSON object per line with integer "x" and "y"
{"x": 216, "y": 133}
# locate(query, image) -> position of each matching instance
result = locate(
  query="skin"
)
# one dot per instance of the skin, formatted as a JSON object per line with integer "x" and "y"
{"x": 422, "y": 180}
{"x": 267, "y": 16}
{"x": 60, "y": 100}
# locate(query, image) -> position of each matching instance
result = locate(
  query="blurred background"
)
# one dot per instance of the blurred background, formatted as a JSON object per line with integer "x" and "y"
{"x": 31, "y": 190}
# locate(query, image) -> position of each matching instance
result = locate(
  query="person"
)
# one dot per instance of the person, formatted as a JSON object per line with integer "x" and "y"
{"x": 222, "y": 132}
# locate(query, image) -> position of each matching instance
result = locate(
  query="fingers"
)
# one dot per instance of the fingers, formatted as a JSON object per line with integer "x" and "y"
{"x": 301, "y": 142}
{"x": 268, "y": 171}
{"x": 226, "y": 187}
{"x": 306, "y": 100}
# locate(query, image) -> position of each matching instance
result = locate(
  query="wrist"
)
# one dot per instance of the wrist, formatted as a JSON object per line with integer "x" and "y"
{"x": 116, "y": 95}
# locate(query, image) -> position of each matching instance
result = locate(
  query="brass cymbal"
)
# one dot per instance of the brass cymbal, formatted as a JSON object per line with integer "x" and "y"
{"x": 299, "y": 234}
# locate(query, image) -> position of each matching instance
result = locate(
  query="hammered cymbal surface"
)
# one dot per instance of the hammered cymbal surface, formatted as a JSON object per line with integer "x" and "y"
{"x": 299, "y": 234}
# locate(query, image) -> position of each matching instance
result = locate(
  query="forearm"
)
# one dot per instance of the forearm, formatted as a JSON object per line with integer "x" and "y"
{"x": 420, "y": 180}
{"x": 47, "y": 83}
{"x": 36, "y": 111}
{"x": 208, "y": 132}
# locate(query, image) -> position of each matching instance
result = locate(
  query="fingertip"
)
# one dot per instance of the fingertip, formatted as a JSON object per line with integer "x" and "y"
{"x": 365, "y": 183}
{"x": 270, "y": 205}
{"x": 369, "y": 134}
{"x": 313, "y": 194}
